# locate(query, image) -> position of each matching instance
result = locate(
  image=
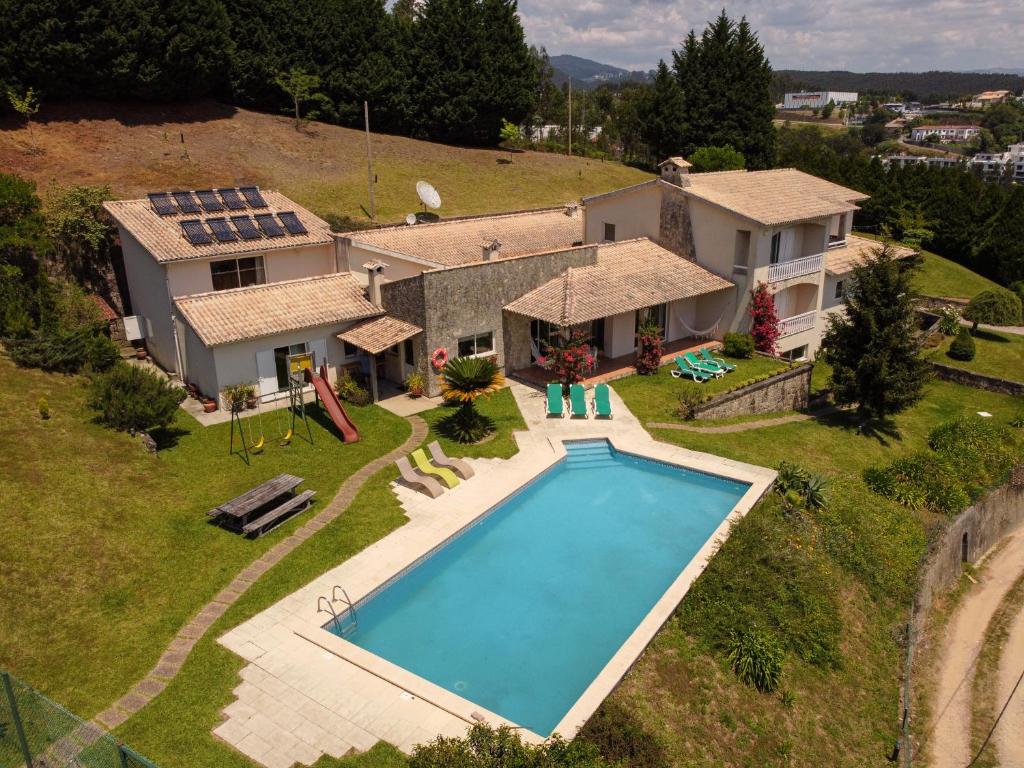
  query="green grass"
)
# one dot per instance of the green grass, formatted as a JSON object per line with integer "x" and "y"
{"x": 942, "y": 277}
{"x": 107, "y": 551}
{"x": 996, "y": 354}
{"x": 821, "y": 376}
{"x": 501, "y": 406}
{"x": 656, "y": 397}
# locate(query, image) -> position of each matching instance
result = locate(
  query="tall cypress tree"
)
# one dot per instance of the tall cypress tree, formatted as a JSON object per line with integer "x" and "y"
{"x": 664, "y": 129}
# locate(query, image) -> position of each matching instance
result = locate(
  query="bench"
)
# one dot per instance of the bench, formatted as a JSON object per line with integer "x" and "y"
{"x": 263, "y": 494}
{"x": 274, "y": 517}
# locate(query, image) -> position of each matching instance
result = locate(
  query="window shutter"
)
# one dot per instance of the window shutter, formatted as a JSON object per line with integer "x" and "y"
{"x": 319, "y": 349}
{"x": 267, "y": 372}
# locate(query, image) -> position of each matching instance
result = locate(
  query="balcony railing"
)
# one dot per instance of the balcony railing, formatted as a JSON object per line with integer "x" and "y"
{"x": 797, "y": 323}
{"x": 795, "y": 268}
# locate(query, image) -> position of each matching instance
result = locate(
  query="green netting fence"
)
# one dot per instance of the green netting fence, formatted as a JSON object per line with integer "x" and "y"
{"x": 38, "y": 733}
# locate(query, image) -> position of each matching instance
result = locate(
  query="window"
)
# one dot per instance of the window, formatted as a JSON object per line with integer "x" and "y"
{"x": 656, "y": 315}
{"x": 281, "y": 362}
{"x": 776, "y": 247}
{"x": 543, "y": 333}
{"x": 609, "y": 232}
{"x": 410, "y": 356}
{"x": 742, "y": 252}
{"x": 839, "y": 289}
{"x": 478, "y": 345}
{"x": 351, "y": 350}
{"x": 237, "y": 273}
{"x": 800, "y": 353}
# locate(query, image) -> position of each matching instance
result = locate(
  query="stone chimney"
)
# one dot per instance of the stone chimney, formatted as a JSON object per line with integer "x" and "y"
{"x": 571, "y": 209}
{"x": 490, "y": 248}
{"x": 373, "y": 272}
{"x": 675, "y": 170}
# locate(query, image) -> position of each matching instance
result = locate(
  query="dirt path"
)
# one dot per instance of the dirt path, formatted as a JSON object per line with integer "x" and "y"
{"x": 1009, "y": 735}
{"x": 950, "y": 741}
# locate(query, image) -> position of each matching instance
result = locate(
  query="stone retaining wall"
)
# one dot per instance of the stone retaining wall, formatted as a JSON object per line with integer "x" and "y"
{"x": 787, "y": 391}
{"x": 977, "y": 380}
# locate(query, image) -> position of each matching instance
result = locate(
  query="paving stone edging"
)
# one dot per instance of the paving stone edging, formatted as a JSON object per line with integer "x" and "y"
{"x": 174, "y": 656}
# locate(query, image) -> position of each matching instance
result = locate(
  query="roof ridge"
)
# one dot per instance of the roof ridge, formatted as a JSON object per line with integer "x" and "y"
{"x": 260, "y": 286}
{"x": 569, "y": 296}
{"x": 455, "y": 220}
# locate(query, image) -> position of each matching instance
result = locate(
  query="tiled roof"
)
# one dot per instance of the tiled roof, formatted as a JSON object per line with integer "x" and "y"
{"x": 839, "y": 261}
{"x": 106, "y": 311}
{"x": 451, "y": 243}
{"x": 681, "y": 162}
{"x": 380, "y": 333}
{"x": 224, "y": 317}
{"x": 163, "y": 238}
{"x": 773, "y": 198}
{"x": 628, "y": 275}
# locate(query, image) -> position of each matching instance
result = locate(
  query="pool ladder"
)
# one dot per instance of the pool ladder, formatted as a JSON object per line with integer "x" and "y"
{"x": 339, "y": 619}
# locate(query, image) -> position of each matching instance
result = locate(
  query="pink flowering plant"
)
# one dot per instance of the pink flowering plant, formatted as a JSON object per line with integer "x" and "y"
{"x": 764, "y": 320}
{"x": 649, "y": 349}
{"x": 571, "y": 360}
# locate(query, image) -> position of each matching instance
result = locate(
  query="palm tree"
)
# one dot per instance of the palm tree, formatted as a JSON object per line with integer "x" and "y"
{"x": 463, "y": 380}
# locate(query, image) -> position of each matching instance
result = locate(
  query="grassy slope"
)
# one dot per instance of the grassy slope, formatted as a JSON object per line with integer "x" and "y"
{"x": 107, "y": 551}
{"x": 996, "y": 354}
{"x": 137, "y": 148}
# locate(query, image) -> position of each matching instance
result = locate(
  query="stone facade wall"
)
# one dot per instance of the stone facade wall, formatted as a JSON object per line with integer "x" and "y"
{"x": 788, "y": 391}
{"x": 977, "y": 380}
{"x": 675, "y": 232}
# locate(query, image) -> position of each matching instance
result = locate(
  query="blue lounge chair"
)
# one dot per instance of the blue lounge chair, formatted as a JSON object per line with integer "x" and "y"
{"x": 577, "y": 401}
{"x": 555, "y": 404}
{"x": 683, "y": 369}
{"x": 705, "y": 353}
{"x": 602, "y": 401}
{"x": 713, "y": 369}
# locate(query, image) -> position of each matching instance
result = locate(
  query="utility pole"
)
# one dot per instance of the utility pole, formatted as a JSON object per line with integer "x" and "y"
{"x": 570, "y": 116}
{"x": 369, "y": 159}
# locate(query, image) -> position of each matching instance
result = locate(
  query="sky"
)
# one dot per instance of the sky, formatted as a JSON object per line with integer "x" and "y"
{"x": 857, "y": 35}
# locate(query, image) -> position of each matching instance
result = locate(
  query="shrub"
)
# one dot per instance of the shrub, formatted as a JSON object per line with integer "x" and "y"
{"x": 487, "y": 747}
{"x": 726, "y": 158}
{"x": 949, "y": 321}
{"x": 64, "y": 351}
{"x": 649, "y": 349}
{"x": 800, "y": 488}
{"x": 131, "y": 398}
{"x": 756, "y": 658}
{"x": 738, "y": 345}
{"x": 621, "y": 738}
{"x": 690, "y": 396}
{"x": 1018, "y": 288}
{"x": 994, "y": 307}
{"x": 466, "y": 425}
{"x": 962, "y": 347}
{"x": 465, "y": 380}
{"x": 43, "y": 406}
{"x": 570, "y": 360}
{"x": 764, "y": 319}
{"x": 350, "y": 391}
{"x": 979, "y": 450}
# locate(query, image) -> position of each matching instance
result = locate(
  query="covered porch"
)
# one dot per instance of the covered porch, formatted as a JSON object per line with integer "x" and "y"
{"x": 389, "y": 353}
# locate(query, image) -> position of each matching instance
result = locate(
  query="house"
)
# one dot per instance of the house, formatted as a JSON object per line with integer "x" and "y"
{"x": 901, "y": 161}
{"x": 994, "y": 164}
{"x": 817, "y": 99}
{"x": 989, "y": 98}
{"x": 946, "y": 133}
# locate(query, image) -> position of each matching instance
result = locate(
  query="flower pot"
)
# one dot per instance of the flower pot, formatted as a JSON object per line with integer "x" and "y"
{"x": 415, "y": 394}
{"x": 250, "y": 403}
{"x": 209, "y": 406}
{"x": 141, "y": 354}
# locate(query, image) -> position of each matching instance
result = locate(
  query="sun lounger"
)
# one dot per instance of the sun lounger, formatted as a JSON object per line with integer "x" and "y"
{"x": 419, "y": 458}
{"x": 602, "y": 401}
{"x": 713, "y": 369}
{"x": 427, "y": 485}
{"x": 705, "y": 353}
{"x": 683, "y": 369}
{"x": 555, "y": 404}
{"x": 578, "y": 401}
{"x": 440, "y": 459}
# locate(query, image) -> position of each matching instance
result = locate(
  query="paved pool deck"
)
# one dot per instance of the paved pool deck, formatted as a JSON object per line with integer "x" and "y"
{"x": 306, "y": 692}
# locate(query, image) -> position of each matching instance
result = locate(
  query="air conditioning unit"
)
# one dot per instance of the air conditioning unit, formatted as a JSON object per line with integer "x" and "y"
{"x": 135, "y": 328}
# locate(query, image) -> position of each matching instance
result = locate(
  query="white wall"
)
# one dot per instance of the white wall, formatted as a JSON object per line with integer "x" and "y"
{"x": 620, "y": 334}
{"x": 294, "y": 263}
{"x": 714, "y": 236}
{"x": 147, "y": 286}
{"x": 185, "y": 278}
{"x": 199, "y": 365}
{"x": 637, "y": 214}
{"x": 397, "y": 269}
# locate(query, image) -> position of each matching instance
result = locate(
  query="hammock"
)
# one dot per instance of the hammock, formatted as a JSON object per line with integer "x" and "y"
{"x": 699, "y": 334}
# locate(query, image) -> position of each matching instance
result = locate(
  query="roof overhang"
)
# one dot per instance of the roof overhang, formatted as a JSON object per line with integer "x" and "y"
{"x": 379, "y": 333}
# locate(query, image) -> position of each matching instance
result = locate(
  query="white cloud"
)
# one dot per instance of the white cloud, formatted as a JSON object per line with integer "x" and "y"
{"x": 864, "y": 35}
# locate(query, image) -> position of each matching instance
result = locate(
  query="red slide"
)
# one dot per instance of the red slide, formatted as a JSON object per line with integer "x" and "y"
{"x": 349, "y": 433}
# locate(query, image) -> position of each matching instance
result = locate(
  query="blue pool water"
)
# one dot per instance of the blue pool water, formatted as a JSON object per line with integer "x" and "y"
{"x": 521, "y": 611}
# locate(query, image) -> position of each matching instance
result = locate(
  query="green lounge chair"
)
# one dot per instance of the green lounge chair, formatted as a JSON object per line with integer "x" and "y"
{"x": 713, "y": 369}
{"x": 556, "y": 403}
{"x": 683, "y": 369}
{"x": 423, "y": 464}
{"x": 578, "y": 401}
{"x": 708, "y": 358}
{"x": 602, "y": 401}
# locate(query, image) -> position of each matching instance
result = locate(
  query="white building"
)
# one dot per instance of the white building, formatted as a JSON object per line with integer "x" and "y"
{"x": 994, "y": 164}
{"x": 903, "y": 160}
{"x": 817, "y": 99}
{"x": 946, "y": 133}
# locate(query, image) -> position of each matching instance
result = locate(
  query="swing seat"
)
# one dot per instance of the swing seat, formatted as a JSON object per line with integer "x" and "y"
{"x": 287, "y": 438}
{"x": 257, "y": 447}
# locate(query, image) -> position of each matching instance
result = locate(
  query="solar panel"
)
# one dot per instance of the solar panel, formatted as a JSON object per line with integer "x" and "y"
{"x": 211, "y": 204}
{"x": 291, "y": 222}
{"x": 161, "y": 202}
{"x": 253, "y": 197}
{"x": 232, "y": 199}
{"x": 246, "y": 227}
{"x": 221, "y": 230}
{"x": 195, "y": 232}
{"x": 268, "y": 224}
{"x": 186, "y": 203}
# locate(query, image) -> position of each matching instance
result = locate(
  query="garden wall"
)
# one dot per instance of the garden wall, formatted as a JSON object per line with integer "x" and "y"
{"x": 787, "y": 391}
{"x": 977, "y": 380}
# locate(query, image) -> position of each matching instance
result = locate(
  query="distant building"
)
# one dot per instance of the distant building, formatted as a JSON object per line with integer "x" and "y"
{"x": 817, "y": 99}
{"x": 988, "y": 98}
{"x": 994, "y": 164}
{"x": 901, "y": 161}
{"x": 946, "y": 133}
{"x": 896, "y": 125}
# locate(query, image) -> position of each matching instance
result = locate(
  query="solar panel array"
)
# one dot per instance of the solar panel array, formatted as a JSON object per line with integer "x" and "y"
{"x": 220, "y": 229}
{"x": 209, "y": 200}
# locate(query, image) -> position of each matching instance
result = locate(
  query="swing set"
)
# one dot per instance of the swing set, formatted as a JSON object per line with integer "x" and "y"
{"x": 297, "y": 366}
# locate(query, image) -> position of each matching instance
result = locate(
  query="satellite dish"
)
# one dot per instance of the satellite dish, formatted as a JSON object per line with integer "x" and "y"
{"x": 410, "y": 219}
{"x": 428, "y": 195}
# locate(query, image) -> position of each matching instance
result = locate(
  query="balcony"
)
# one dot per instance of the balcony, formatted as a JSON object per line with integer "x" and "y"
{"x": 797, "y": 324}
{"x": 784, "y": 270}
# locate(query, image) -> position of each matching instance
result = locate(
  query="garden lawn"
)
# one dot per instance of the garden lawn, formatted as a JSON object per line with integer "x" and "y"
{"x": 106, "y": 549}
{"x": 501, "y": 406}
{"x": 939, "y": 276}
{"x": 996, "y": 354}
{"x": 656, "y": 397}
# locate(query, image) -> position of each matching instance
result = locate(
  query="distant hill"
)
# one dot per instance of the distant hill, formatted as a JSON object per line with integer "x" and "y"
{"x": 587, "y": 73}
{"x": 921, "y": 86}
{"x": 999, "y": 70}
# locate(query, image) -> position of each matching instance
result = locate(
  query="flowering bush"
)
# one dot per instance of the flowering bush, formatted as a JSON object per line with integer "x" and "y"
{"x": 949, "y": 320}
{"x": 648, "y": 350}
{"x": 570, "y": 360}
{"x": 764, "y": 321}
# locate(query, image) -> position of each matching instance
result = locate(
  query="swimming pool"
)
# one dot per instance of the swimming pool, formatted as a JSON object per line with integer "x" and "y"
{"x": 524, "y": 608}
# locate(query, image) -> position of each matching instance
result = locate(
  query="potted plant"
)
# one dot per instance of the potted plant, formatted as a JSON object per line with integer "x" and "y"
{"x": 414, "y": 384}
{"x": 209, "y": 405}
{"x": 140, "y": 353}
{"x": 234, "y": 397}
{"x": 249, "y": 390}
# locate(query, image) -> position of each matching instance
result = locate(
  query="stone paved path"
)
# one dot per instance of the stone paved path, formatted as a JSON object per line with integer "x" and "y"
{"x": 174, "y": 656}
{"x": 743, "y": 426}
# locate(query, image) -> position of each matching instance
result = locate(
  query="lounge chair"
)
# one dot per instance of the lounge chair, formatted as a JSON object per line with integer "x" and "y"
{"x": 578, "y": 401}
{"x": 602, "y": 401}
{"x": 714, "y": 369}
{"x": 440, "y": 459}
{"x": 705, "y": 353}
{"x": 556, "y": 403}
{"x": 683, "y": 369}
{"x": 427, "y": 485}
{"x": 419, "y": 458}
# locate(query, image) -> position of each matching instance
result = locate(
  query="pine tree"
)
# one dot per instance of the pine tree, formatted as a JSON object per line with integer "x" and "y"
{"x": 1001, "y": 250}
{"x": 872, "y": 348}
{"x": 664, "y": 131}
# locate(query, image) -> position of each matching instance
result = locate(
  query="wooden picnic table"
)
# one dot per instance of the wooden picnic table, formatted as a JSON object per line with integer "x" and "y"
{"x": 250, "y": 512}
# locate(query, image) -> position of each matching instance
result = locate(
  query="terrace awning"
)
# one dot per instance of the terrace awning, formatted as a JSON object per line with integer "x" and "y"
{"x": 379, "y": 333}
